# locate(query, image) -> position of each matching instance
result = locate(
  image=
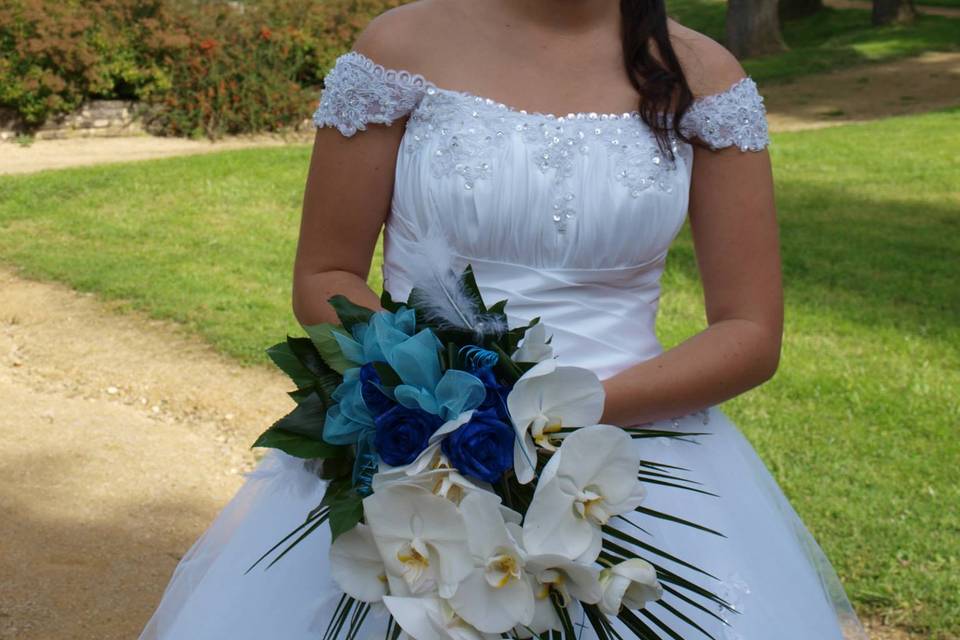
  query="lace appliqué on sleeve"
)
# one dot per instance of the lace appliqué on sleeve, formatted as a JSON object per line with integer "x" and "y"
{"x": 733, "y": 117}
{"x": 357, "y": 91}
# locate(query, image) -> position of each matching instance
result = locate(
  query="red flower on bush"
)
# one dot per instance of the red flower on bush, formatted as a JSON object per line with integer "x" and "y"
{"x": 265, "y": 33}
{"x": 208, "y": 44}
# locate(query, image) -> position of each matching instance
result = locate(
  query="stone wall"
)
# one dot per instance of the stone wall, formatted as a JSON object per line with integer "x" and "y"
{"x": 97, "y": 118}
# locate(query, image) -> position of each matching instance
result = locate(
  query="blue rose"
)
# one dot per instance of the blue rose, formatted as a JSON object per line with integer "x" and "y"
{"x": 496, "y": 393}
{"x": 403, "y": 433}
{"x": 377, "y": 402}
{"x": 482, "y": 448}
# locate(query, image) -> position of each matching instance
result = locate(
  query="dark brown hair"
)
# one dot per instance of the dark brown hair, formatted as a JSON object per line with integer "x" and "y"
{"x": 644, "y": 25}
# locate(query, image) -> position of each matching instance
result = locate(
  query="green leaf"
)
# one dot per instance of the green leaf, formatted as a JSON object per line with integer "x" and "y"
{"x": 388, "y": 303}
{"x": 322, "y": 337}
{"x": 679, "y": 614}
{"x": 388, "y": 377}
{"x": 345, "y": 512}
{"x": 284, "y": 358}
{"x": 505, "y": 366}
{"x": 326, "y": 379}
{"x": 451, "y": 356}
{"x": 348, "y": 312}
{"x": 336, "y": 469}
{"x": 306, "y": 419}
{"x": 667, "y": 516}
{"x": 568, "y": 631}
{"x": 316, "y": 517}
{"x": 302, "y": 394}
{"x": 513, "y": 337}
{"x": 335, "y": 490}
{"x": 470, "y": 284}
{"x": 499, "y": 307}
{"x": 626, "y": 537}
{"x": 294, "y": 444}
{"x": 339, "y": 616}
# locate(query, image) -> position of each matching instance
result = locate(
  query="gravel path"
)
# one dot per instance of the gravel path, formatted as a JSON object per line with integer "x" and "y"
{"x": 129, "y": 437}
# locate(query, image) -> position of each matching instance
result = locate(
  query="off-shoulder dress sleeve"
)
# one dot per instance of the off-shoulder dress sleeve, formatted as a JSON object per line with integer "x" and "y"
{"x": 357, "y": 91}
{"x": 736, "y": 116}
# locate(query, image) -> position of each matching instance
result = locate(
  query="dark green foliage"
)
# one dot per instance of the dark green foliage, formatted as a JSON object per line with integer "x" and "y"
{"x": 198, "y": 68}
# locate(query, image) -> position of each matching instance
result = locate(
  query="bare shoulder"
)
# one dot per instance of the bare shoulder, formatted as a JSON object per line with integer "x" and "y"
{"x": 708, "y": 65}
{"x": 404, "y": 37}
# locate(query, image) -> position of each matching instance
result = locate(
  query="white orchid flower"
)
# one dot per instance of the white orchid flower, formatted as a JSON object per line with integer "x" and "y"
{"x": 572, "y": 581}
{"x": 631, "y": 583}
{"x": 544, "y": 400}
{"x": 496, "y": 596}
{"x": 431, "y": 618}
{"x": 421, "y": 538}
{"x": 534, "y": 346}
{"x": 356, "y": 565}
{"x": 591, "y": 478}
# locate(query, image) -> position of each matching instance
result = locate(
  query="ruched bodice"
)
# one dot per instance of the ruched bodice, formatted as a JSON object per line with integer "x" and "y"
{"x": 568, "y": 217}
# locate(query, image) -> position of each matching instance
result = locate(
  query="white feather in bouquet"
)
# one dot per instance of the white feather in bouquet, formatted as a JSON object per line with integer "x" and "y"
{"x": 441, "y": 294}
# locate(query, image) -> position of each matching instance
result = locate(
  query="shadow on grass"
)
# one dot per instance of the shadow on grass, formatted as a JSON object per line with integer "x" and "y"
{"x": 829, "y": 39}
{"x": 882, "y": 262}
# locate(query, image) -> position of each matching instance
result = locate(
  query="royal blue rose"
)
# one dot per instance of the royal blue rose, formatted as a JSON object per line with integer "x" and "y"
{"x": 373, "y": 397}
{"x": 496, "y": 392}
{"x": 403, "y": 433}
{"x": 482, "y": 448}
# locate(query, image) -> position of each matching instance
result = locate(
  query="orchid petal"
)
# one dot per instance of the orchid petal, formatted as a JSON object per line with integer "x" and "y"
{"x": 403, "y": 516}
{"x": 356, "y": 565}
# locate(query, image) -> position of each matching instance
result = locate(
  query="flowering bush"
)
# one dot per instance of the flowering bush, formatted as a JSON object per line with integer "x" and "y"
{"x": 199, "y": 69}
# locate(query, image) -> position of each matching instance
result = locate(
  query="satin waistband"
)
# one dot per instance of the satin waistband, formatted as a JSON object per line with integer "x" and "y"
{"x": 601, "y": 319}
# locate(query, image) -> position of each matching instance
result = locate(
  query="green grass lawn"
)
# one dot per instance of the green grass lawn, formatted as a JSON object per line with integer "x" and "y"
{"x": 859, "y": 425}
{"x": 938, "y": 3}
{"x": 830, "y": 39}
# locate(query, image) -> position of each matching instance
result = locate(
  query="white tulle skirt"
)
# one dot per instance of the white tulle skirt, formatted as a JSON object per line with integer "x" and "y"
{"x": 767, "y": 565}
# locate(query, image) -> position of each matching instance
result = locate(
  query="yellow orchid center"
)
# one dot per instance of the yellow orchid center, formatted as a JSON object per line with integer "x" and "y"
{"x": 589, "y": 505}
{"x": 541, "y": 428}
{"x": 553, "y": 580}
{"x": 415, "y": 558}
{"x": 501, "y": 569}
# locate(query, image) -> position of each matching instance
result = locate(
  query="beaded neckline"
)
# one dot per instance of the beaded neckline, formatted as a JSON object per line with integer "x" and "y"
{"x": 579, "y": 115}
{"x": 420, "y": 81}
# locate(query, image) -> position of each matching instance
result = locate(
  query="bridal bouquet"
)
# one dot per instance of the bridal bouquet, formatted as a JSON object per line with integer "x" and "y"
{"x": 470, "y": 489}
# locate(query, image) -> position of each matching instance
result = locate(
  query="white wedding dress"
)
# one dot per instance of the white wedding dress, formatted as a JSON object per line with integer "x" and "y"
{"x": 569, "y": 218}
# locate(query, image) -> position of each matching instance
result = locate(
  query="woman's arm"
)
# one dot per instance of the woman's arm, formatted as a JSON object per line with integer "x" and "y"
{"x": 348, "y": 193}
{"x": 733, "y": 220}
{"x": 346, "y": 200}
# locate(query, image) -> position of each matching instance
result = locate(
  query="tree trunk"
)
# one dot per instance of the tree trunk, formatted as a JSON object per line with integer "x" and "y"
{"x": 753, "y": 28}
{"x": 893, "y": 11}
{"x": 792, "y": 9}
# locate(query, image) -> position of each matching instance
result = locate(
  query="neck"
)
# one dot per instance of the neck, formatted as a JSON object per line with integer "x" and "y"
{"x": 564, "y": 15}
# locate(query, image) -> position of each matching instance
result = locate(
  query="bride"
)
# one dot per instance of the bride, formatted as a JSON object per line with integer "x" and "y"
{"x": 558, "y": 146}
